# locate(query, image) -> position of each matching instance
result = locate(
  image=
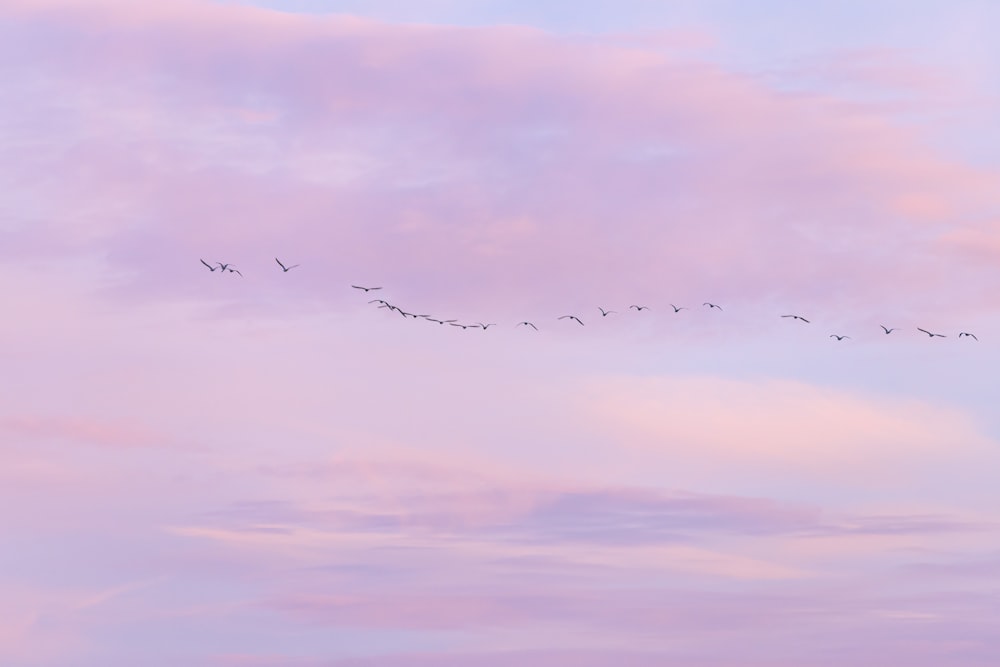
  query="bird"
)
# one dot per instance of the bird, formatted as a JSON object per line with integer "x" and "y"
{"x": 464, "y": 326}
{"x": 366, "y": 289}
{"x": 838, "y": 337}
{"x": 223, "y": 266}
{"x": 798, "y": 318}
{"x": 413, "y": 315}
{"x": 236, "y": 272}
{"x": 284, "y": 268}
{"x": 210, "y": 267}
{"x": 968, "y": 334}
{"x": 605, "y": 313}
{"x": 572, "y": 317}
{"x": 932, "y": 335}
{"x": 528, "y": 324}
{"x": 678, "y": 309}
{"x": 886, "y": 329}
{"x": 431, "y": 319}
{"x": 639, "y": 308}
{"x": 711, "y": 305}
{"x": 485, "y": 326}
{"x": 382, "y": 301}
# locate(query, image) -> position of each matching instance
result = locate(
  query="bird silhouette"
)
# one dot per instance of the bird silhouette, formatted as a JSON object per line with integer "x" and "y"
{"x": 973, "y": 336}
{"x": 210, "y": 267}
{"x": 464, "y": 326}
{"x": 886, "y": 329}
{"x": 838, "y": 337}
{"x": 485, "y": 326}
{"x": 798, "y": 318}
{"x": 366, "y": 289}
{"x": 932, "y": 335}
{"x": 639, "y": 308}
{"x": 284, "y": 268}
{"x": 678, "y": 309}
{"x": 711, "y": 305}
{"x": 236, "y": 272}
{"x": 605, "y": 313}
{"x": 572, "y": 317}
{"x": 431, "y": 319}
{"x": 223, "y": 266}
{"x": 528, "y": 324}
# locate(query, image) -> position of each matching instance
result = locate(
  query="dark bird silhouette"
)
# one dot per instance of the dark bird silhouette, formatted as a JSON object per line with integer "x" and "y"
{"x": 711, "y": 305}
{"x": 236, "y": 272}
{"x": 413, "y": 315}
{"x": 486, "y": 326}
{"x": 678, "y": 309}
{"x": 431, "y": 319}
{"x": 572, "y": 317}
{"x": 932, "y": 335}
{"x": 798, "y": 318}
{"x": 223, "y": 266}
{"x": 528, "y": 324}
{"x": 382, "y": 301}
{"x": 605, "y": 313}
{"x": 464, "y": 326}
{"x": 284, "y": 268}
{"x": 639, "y": 308}
{"x": 210, "y": 267}
{"x": 886, "y": 329}
{"x": 973, "y": 336}
{"x": 366, "y": 289}
{"x": 838, "y": 337}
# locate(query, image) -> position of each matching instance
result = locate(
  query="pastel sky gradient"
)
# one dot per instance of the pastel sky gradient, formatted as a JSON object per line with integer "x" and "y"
{"x": 214, "y": 471}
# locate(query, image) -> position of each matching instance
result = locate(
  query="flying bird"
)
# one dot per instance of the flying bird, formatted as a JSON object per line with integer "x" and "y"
{"x": 528, "y": 324}
{"x": 284, "y": 268}
{"x": 382, "y": 301}
{"x": 486, "y": 326}
{"x": 678, "y": 309}
{"x": 223, "y": 266}
{"x": 932, "y": 335}
{"x": 464, "y": 326}
{"x": 798, "y": 318}
{"x": 431, "y": 319}
{"x": 886, "y": 329}
{"x": 366, "y": 289}
{"x": 572, "y": 317}
{"x": 605, "y": 313}
{"x": 969, "y": 335}
{"x": 210, "y": 267}
{"x": 838, "y": 337}
{"x": 639, "y": 308}
{"x": 711, "y": 305}
{"x": 236, "y": 272}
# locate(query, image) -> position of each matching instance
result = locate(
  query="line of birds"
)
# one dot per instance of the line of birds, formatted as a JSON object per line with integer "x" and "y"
{"x": 229, "y": 268}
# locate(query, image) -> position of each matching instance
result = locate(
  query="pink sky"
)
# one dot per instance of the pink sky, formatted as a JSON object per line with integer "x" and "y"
{"x": 217, "y": 471}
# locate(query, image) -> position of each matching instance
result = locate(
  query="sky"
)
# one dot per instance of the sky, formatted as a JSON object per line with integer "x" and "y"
{"x": 263, "y": 468}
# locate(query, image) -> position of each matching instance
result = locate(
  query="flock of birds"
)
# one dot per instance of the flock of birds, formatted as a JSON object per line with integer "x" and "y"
{"x": 230, "y": 268}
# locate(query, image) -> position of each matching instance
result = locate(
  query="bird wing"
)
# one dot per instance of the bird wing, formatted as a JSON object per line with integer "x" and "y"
{"x": 280, "y": 264}
{"x": 210, "y": 267}
{"x": 925, "y": 331}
